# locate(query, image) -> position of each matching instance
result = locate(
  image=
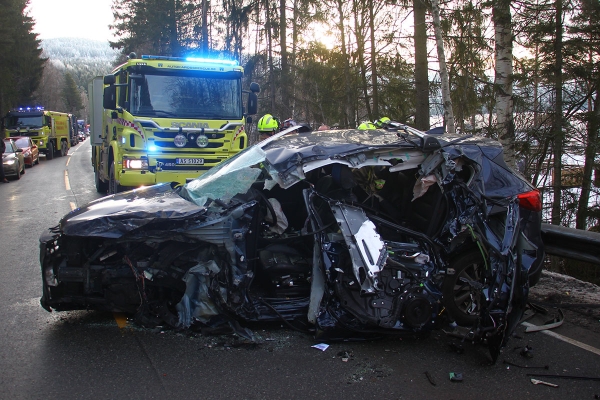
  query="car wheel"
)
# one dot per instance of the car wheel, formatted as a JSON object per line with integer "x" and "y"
{"x": 37, "y": 160}
{"x": 49, "y": 151}
{"x": 461, "y": 298}
{"x": 101, "y": 186}
{"x": 19, "y": 172}
{"x": 23, "y": 168}
{"x": 64, "y": 149}
{"x": 113, "y": 186}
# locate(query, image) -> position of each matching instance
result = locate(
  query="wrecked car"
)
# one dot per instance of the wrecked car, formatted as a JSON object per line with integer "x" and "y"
{"x": 352, "y": 233}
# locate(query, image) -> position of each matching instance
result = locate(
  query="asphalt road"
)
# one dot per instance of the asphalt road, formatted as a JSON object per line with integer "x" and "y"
{"x": 92, "y": 355}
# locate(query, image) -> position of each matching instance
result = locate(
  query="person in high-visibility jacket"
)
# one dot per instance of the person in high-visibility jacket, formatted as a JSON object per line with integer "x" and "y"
{"x": 267, "y": 126}
{"x": 366, "y": 125}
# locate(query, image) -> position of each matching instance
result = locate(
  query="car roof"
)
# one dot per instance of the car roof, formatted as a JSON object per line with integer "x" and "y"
{"x": 293, "y": 147}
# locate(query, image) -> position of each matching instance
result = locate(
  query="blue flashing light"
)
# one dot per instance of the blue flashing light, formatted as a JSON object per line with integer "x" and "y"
{"x": 232, "y": 63}
{"x": 38, "y": 108}
{"x": 152, "y": 148}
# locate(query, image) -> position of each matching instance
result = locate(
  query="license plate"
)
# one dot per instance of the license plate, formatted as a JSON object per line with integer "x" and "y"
{"x": 189, "y": 161}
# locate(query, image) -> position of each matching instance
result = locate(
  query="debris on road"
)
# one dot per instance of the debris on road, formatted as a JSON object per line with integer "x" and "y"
{"x": 538, "y": 382}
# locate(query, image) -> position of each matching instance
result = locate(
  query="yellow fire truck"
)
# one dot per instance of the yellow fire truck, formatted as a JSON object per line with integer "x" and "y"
{"x": 49, "y": 130}
{"x": 164, "y": 119}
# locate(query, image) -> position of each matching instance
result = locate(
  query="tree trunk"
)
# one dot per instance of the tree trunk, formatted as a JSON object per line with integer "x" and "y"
{"x": 448, "y": 113}
{"x": 360, "y": 47}
{"x": 422, "y": 118}
{"x": 205, "y": 27}
{"x": 557, "y": 146}
{"x": 269, "y": 37}
{"x": 373, "y": 61}
{"x": 504, "y": 79}
{"x": 349, "y": 102}
{"x": 591, "y": 147}
{"x": 285, "y": 101}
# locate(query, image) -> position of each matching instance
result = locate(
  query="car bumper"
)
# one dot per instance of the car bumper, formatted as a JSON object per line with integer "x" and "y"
{"x": 11, "y": 170}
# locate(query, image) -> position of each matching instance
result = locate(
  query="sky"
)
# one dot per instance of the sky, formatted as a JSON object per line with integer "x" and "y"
{"x": 72, "y": 18}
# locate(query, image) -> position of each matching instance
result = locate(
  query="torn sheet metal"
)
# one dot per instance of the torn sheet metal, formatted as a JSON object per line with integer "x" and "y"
{"x": 364, "y": 243}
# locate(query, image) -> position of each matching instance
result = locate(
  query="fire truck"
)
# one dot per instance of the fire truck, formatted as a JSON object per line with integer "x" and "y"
{"x": 49, "y": 130}
{"x": 161, "y": 119}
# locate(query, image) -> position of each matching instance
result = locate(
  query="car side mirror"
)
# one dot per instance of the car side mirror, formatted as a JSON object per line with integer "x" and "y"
{"x": 19, "y": 150}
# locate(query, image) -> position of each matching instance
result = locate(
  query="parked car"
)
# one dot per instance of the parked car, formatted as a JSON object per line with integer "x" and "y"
{"x": 13, "y": 161}
{"x": 31, "y": 152}
{"x": 81, "y": 136}
{"x": 350, "y": 233}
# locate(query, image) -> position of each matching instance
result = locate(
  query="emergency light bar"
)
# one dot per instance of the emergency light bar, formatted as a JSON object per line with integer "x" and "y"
{"x": 30, "y": 108}
{"x": 232, "y": 63}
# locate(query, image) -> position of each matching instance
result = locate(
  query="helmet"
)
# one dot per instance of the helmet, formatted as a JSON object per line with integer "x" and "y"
{"x": 288, "y": 123}
{"x": 267, "y": 123}
{"x": 381, "y": 122}
{"x": 366, "y": 125}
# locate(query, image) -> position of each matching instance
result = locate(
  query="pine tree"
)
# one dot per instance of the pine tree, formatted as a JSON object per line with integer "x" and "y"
{"x": 21, "y": 64}
{"x": 71, "y": 95}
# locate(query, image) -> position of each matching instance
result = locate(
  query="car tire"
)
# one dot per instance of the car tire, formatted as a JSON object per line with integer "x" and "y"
{"x": 37, "y": 160}
{"x": 19, "y": 172}
{"x": 64, "y": 149}
{"x": 49, "y": 151}
{"x": 460, "y": 301}
{"x": 113, "y": 186}
{"x": 23, "y": 168}
{"x": 101, "y": 186}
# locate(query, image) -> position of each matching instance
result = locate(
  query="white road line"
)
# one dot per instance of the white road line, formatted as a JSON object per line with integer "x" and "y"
{"x": 567, "y": 339}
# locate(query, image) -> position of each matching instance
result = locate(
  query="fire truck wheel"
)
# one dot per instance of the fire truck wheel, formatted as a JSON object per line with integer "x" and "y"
{"x": 64, "y": 149}
{"x": 50, "y": 151}
{"x": 113, "y": 186}
{"x": 101, "y": 186}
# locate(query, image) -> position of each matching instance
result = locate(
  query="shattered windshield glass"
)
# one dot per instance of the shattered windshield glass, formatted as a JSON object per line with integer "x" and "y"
{"x": 227, "y": 179}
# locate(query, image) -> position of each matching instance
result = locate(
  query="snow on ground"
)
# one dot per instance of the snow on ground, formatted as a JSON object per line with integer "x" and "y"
{"x": 578, "y": 299}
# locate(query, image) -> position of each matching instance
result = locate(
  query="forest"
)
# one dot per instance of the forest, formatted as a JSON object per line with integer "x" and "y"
{"x": 523, "y": 72}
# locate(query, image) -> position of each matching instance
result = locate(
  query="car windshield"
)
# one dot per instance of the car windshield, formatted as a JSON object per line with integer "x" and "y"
{"x": 234, "y": 175}
{"x": 21, "y": 143}
{"x": 186, "y": 97}
{"x": 32, "y": 121}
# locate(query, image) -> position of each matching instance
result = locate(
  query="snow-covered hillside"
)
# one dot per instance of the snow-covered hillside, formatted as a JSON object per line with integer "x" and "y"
{"x": 82, "y": 58}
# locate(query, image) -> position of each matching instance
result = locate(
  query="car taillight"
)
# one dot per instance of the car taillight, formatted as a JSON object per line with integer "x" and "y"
{"x": 531, "y": 200}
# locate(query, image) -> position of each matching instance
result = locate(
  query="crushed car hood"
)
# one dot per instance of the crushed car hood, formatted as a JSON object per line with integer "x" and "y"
{"x": 117, "y": 215}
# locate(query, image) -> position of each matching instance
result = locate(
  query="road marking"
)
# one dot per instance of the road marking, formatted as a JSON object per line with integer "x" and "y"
{"x": 68, "y": 159}
{"x": 121, "y": 320}
{"x": 73, "y": 205}
{"x": 67, "y": 185}
{"x": 567, "y": 339}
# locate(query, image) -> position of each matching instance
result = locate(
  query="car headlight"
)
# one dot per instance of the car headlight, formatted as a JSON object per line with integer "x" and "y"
{"x": 26, "y": 153}
{"x": 9, "y": 162}
{"x": 41, "y": 143}
{"x": 135, "y": 163}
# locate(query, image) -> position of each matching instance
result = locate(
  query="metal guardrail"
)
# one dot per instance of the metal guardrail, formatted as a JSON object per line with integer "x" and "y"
{"x": 575, "y": 244}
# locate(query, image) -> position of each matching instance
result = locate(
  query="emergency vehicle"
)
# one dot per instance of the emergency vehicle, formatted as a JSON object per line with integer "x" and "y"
{"x": 164, "y": 119}
{"x": 49, "y": 130}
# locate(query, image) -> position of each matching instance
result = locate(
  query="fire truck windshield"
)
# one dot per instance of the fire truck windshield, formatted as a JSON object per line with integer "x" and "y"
{"x": 16, "y": 121}
{"x": 185, "y": 97}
